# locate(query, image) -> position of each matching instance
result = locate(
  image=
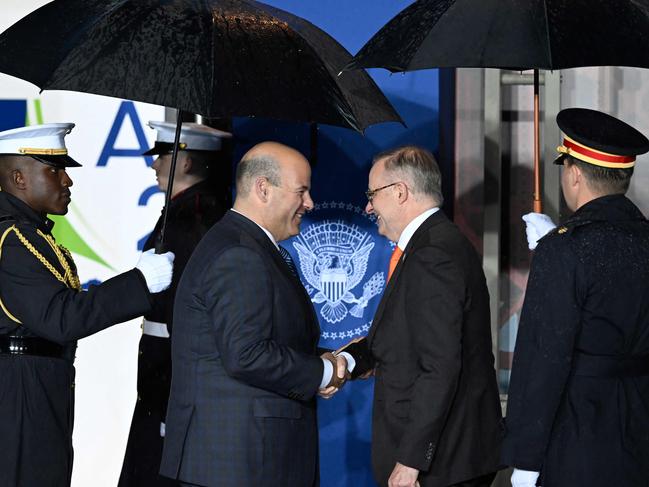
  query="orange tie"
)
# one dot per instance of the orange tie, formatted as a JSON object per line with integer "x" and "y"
{"x": 394, "y": 260}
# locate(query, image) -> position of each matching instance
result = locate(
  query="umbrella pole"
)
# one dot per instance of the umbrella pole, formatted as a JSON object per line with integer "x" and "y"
{"x": 159, "y": 246}
{"x": 538, "y": 205}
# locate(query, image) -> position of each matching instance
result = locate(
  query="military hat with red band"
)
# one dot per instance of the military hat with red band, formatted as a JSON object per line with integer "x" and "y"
{"x": 599, "y": 139}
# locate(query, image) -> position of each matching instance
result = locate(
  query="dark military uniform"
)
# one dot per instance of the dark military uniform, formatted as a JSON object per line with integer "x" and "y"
{"x": 191, "y": 214}
{"x": 42, "y": 314}
{"x": 578, "y": 407}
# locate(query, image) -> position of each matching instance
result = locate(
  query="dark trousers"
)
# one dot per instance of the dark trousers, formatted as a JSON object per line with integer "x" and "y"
{"x": 143, "y": 452}
{"x": 482, "y": 481}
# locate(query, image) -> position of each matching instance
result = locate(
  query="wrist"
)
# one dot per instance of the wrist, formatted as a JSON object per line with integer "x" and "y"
{"x": 335, "y": 380}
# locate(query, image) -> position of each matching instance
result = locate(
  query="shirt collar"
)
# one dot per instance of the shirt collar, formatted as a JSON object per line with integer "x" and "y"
{"x": 412, "y": 227}
{"x": 270, "y": 235}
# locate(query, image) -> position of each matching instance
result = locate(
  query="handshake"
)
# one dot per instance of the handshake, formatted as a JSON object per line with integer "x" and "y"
{"x": 339, "y": 376}
{"x": 352, "y": 361}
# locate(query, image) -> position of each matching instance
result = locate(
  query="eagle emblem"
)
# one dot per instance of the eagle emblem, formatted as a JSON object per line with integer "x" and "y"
{"x": 333, "y": 258}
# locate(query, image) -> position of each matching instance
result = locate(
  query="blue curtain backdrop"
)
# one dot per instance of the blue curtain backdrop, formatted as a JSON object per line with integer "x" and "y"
{"x": 341, "y": 258}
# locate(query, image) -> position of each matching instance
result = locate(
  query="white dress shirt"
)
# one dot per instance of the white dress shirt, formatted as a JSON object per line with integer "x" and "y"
{"x": 413, "y": 226}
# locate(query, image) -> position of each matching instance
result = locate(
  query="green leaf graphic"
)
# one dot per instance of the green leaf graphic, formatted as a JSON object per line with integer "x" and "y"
{"x": 66, "y": 235}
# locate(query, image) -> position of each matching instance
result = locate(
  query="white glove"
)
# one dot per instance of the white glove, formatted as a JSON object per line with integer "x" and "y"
{"x": 524, "y": 478}
{"x": 537, "y": 226}
{"x": 156, "y": 269}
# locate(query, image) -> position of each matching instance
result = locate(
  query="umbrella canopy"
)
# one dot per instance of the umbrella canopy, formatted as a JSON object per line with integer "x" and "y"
{"x": 511, "y": 34}
{"x": 217, "y": 58}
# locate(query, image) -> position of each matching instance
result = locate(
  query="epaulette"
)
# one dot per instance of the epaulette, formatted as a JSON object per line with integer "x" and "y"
{"x": 567, "y": 228}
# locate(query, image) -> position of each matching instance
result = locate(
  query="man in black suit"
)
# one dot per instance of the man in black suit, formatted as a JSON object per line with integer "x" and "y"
{"x": 245, "y": 366}
{"x": 437, "y": 418}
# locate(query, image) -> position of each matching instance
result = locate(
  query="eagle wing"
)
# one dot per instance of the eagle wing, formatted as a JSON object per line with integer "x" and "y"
{"x": 359, "y": 264}
{"x": 308, "y": 262}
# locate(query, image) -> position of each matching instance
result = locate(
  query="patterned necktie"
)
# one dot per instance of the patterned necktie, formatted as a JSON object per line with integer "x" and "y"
{"x": 394, "y": 260}
{"x": 289, "y": 260}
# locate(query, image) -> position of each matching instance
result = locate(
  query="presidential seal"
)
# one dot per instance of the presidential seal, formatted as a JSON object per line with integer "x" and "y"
{"x": 334, "y": 251}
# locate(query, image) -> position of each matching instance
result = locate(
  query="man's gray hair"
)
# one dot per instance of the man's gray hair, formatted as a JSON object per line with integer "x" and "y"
{"x": 417, "y": 167}
{"x": 248, "y": 170}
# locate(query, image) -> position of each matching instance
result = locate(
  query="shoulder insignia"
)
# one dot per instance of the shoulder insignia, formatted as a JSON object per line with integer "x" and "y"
{"x": 562, "y": 230}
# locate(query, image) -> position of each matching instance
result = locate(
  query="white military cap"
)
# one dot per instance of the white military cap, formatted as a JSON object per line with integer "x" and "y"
{"x": 45, "y": 143}
{"x": 193, "y": 136}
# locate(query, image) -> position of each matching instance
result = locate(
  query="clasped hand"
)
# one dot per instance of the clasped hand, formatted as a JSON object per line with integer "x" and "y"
{"x": 338, "y": 378}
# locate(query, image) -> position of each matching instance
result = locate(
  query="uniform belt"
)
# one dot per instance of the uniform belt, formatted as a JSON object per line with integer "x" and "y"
{"x": 610, "y": 366}
{"x": 16, "y": 345}
{"x": 155, "y": 329}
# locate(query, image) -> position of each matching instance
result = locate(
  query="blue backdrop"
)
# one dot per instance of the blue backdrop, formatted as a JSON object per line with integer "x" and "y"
{"x": 341, "y": 258}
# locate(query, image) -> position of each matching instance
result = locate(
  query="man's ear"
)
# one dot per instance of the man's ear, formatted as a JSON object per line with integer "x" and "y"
{"x": 402, "y": 192}
{"x": 261, "y": 188}
{"x": 187, "y": 164}
{"x": 18, "y": 179}
{"x": 576, "y": 176}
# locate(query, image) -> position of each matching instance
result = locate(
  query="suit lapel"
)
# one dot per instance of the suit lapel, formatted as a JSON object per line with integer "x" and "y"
{"x": 254, "y": 231}
{"x": 430, "y": 222}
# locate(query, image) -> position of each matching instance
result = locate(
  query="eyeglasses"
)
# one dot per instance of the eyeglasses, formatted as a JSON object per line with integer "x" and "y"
{"x": 371, "y": 192}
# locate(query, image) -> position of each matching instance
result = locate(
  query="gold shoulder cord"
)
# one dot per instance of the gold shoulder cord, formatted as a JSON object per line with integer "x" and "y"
{"x": 70, "y": 279}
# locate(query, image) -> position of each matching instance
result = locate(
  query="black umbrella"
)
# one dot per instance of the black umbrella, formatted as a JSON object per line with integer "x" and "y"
{"x": 217, "y": 58}
{"x": 512, "y": 34}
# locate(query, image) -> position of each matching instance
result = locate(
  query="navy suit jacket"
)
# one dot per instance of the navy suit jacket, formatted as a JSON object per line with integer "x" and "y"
{"x": 242, "y": 408}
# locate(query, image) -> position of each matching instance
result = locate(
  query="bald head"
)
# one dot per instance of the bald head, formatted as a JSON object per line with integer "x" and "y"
{"x": 264, "y": 160}
{"x": 273, "y": 183}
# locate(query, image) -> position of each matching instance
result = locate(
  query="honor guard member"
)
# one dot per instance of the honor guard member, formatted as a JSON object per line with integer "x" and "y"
{"x": 578, "y": 409}
{"x": 44, "y": 310}
{"x": 200, "y": 197}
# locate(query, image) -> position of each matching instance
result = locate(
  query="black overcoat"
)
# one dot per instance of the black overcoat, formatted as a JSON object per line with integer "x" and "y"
{"x": 36, "y": 392}
{"x": 191, "y": 214}
{"x": 578, "y": 408}
{"x": 436, "y": 401}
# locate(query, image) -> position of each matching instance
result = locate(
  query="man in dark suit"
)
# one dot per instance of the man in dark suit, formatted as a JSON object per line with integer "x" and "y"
{"x": 245, "y": 374}
{"x": 578, "y": 409}
{"x": 437, "y": 418}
